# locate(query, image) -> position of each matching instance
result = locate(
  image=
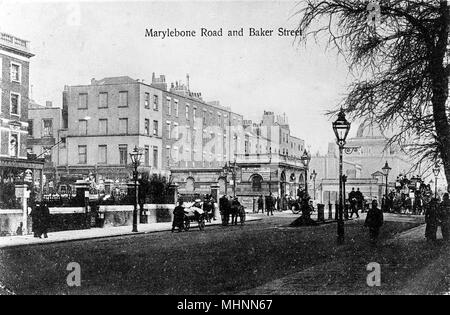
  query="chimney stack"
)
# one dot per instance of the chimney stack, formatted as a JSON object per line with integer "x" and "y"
{"x": 48, "y": 104}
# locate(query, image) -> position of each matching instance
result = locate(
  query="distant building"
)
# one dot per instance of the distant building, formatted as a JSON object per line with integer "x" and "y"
{"x": 265, "y": 158}
{"x": 14, "y": 97}
{"x": 364, "y": 159}
{"x": 47, "y": 135}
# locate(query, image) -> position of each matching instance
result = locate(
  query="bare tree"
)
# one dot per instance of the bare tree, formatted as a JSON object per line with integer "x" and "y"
{"x": 400, "y": 64}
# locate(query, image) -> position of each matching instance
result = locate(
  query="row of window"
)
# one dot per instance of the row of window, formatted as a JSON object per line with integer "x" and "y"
{"x": 102, "y": 155}
{"x": 47, "y": 128}
{"x": 221, "y": 118}
{"x": 123, "y": 127}
{"x": 103, "y": 100}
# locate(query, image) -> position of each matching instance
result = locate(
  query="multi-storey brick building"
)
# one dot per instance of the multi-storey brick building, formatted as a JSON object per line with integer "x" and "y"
{"x": 14, "y": 98}
{"x": 182, "y": 135}
{"x": 196, "y": 133}
{"x": 106, "y": 120}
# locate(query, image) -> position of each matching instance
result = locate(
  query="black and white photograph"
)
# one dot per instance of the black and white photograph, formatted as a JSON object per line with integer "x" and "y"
{"x": 225, "y": 154}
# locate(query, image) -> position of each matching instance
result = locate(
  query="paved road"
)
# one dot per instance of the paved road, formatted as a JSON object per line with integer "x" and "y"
{"x": 218, "y": 260}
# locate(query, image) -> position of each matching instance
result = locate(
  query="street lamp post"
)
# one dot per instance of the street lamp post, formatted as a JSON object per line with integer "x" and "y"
{"x": 306, "y": 158}
{"x": 270, "y": 170}
{"x": 436, "y": 171}
{"x": 341, "y": 127}
{"x": 313, "y": 177}
{"x": 135, "y": 161}
{"x": 386, "y": 169}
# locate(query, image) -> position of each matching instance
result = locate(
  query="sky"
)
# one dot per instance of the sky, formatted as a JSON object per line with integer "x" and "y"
{"x": 76, "y": 41}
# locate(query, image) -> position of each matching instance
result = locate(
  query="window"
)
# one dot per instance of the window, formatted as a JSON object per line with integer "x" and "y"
{"x": 147, "y": 127}
{"x": 155, "y": 157}
{"x": 169, "y": 106}
{"x": 123, "y": 154}
{"x": 15, "y": 104}
{"x": 82, "y": 101}
{"x": 147, "y": 100}
{"x": 15, "y": 72}
{"x": 82, "y": 127}
{"x": 102, "y": 154}
{"x": 194, "y": 112}
{"x": 82, "y": 154}
{"x": 168, "y": 126}
{"x": 176, "y": 108}
{"x": 123, "y": 99}
{"x": 103, "y": 126}
{"x": 30, "y": 128}
{"x": 47, "y": 128}
{"x": 155, "y": 127}
{"x": 123, "y": 126}
{"x": 103, "y": 100}
{"x": 14, "y": 145}
{"x": 147, "y": 155}
{"x": 187, "y": 112}
{"x": 155, "y": 102}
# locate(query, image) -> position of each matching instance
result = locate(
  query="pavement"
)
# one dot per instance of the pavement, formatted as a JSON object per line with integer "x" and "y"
{"x": 426, "y": 280}
{"x": 96, "y": 233}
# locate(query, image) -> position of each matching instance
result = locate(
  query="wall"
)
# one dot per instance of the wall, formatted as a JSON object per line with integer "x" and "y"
{"x": 74, "y": 218}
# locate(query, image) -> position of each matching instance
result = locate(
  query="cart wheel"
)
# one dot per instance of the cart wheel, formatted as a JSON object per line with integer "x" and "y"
{"x": 187, "y": 225}
{"x": 201, "y": 224}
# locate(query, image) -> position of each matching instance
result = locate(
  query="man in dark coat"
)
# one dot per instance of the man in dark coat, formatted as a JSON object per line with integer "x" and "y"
{"x": 208, "y": 207}
{"x": 431, "y": 219}
{"x": 269, "y": 204}
{"x": 374, "y": 221}
{"x": 260, "y": 204}
{"x": 45, "y": 219}
{"x": 178, "y": 217}
{"x": 36, "y": 220}
{"x": 225, "y": 209}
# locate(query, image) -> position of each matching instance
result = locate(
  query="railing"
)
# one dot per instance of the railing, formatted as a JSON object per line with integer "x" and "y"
{"x": 14, "y": 41}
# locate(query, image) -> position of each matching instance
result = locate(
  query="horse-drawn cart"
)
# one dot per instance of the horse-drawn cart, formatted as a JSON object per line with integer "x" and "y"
{"x": 194, "y": 214}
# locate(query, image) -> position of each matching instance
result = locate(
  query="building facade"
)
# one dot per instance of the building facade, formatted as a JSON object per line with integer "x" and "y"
{"x": 15, "y": 58}
{"x": 107, "y": 119}
{"x": 47, "y": 135}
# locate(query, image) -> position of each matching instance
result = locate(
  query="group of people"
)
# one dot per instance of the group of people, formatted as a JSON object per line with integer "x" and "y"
{"x": 270, "y": 204}
{"x": 356, "y": 200}
{"x": 40, "y": 215}
{"x": 437, "y": 214}
{"x": 229, "y": 209}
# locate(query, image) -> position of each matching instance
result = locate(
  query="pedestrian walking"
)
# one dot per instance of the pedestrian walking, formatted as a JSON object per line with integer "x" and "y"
{"x": 45, "y": 219}
{"x": 444, "y": 217}
{"x": 36, "y": 220}
{"x": 260, "y": 204}
{"x": 374, "y": 221}
{"x": 431, "y": 219}
{"x": 269, "y": 204}
{"x": 178, "y": 217}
